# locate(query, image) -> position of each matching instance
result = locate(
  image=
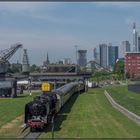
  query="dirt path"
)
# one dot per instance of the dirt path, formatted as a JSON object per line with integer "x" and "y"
{"x": 12, "y": 129}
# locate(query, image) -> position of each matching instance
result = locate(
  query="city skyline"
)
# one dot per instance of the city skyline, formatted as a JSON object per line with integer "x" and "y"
{"x": 56, "y": 27}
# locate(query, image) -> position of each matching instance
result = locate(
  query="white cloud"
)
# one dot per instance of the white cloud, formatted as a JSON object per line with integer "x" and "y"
{"x": 26, "y": 6}
{"x": 33, "y": 10}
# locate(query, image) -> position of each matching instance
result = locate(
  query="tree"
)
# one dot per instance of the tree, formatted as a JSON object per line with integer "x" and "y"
{"x": 127, "y": 75}
{"x": 33, "y": 68}
{"x": 13, "y": 68}
{"x": 119, "y": 69}
{"x": 99, "y": 76}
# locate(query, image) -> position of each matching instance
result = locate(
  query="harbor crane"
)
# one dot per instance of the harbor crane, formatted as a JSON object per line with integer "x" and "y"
{"x": 5, "y": 55}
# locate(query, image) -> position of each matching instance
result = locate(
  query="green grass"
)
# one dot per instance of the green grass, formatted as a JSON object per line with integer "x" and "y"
{"x": 90, "y": 115}
{"x": 10, "y": 108}
{"x": 128, "y": 99}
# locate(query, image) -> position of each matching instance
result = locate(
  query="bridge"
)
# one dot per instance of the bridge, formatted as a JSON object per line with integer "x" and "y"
{"x": 56, "y": 79}
{"x": 60, "y": 76}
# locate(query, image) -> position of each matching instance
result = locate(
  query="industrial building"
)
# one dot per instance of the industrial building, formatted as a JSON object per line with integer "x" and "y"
{"x": 132, "y": 64}
{"x": 51, "y": 68}
{"x": 66, "y": 61}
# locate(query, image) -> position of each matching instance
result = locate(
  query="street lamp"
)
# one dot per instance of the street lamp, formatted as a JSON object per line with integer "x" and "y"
{"x": 30, "y": 91}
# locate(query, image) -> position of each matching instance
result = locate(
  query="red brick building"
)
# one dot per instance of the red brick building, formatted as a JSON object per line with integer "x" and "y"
{"x": 132, "y": 64}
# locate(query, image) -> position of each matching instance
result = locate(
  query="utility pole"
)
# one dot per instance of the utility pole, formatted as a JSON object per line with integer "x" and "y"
{"x": 76, "y": 58}
{"x": 52, "y": 121}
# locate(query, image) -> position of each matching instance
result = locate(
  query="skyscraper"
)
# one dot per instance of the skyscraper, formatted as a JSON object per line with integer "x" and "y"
{"x": 103, "y": 55}
{"x": 112, "y": 55}
{"x": 135, "y": 38}
{"x": 125, "y": 48}
{"x": 82, "y": 58}
{"x": 96, "y": 53}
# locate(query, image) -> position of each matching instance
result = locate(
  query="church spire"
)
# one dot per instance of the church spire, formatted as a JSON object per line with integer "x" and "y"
{"x": 47, "y": 61}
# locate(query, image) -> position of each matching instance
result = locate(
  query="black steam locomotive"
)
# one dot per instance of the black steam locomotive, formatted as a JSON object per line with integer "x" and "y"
{"x": 38, "y": 112}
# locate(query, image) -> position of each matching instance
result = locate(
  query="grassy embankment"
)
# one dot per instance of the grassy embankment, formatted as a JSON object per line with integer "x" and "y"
{"x": 11, "y": 114}
{"x": 86, "y": 116}
{"x": 90, "y": 115}
{"x": 128, "y": 99}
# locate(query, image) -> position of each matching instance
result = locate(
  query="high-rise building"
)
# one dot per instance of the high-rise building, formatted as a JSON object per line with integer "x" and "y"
{"x": 112, "y": 55}
{"x": 96, "y": 53}
{"x": 82, "y": 58}
{"x": 125, "y": 48}
{"x": 103, "y": 55}
{"x": 135, "y": 38}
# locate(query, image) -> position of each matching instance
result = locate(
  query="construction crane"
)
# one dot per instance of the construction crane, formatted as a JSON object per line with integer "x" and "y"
{"x": 5, "y": 55}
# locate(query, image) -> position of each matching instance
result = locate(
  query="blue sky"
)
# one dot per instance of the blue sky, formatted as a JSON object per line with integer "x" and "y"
{"x": 56, "y": 27}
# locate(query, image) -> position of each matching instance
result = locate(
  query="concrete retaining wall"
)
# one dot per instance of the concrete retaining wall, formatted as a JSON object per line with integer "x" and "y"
{"x": 134, "y": 88}
{"x": 123, "y": 110}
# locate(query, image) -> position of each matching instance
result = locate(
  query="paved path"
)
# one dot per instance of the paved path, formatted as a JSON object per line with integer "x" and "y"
{"x": 123, "y": 110}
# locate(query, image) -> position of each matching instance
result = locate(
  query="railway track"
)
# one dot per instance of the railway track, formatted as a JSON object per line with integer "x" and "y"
{"x": 33, "y": 135}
